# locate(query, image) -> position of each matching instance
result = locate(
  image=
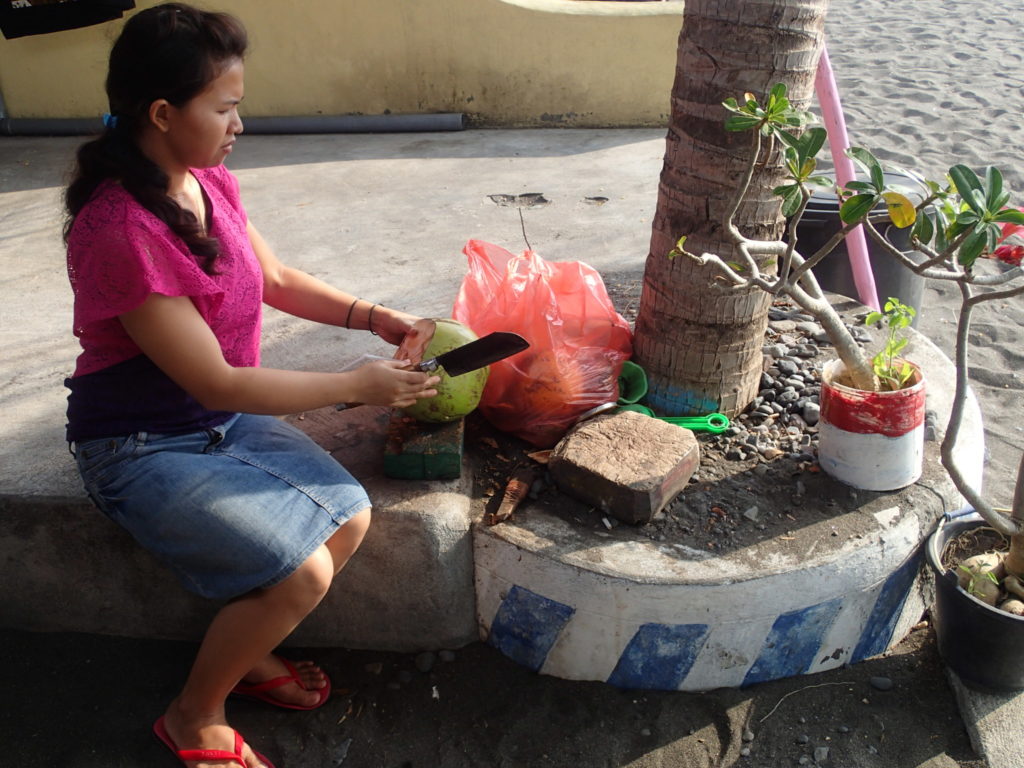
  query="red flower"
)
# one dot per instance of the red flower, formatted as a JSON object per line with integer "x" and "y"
{"x": 1010, "y": 254}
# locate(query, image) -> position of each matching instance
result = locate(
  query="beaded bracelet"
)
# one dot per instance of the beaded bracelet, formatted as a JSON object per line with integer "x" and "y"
{"x": 348, "y": 317}
{"x": 369, "y": 320}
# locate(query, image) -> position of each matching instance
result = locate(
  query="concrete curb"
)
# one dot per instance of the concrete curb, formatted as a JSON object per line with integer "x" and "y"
{"x": 409, "y": 588}
{"x": 639, "y": 614}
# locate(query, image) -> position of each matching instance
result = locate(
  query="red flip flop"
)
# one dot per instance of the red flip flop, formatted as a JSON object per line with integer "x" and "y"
{"x": 192, "y": 755}
{"x": 261, "y": 691}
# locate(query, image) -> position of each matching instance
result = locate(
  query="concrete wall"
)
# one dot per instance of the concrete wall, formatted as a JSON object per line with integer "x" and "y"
{"x": 575, "y": 63}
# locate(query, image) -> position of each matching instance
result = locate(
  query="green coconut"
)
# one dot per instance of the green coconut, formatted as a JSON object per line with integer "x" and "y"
{"x": 456, "y": 395}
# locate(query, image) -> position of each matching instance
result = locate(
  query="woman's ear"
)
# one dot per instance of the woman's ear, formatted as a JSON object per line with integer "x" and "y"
{"x": 158, "y": 114}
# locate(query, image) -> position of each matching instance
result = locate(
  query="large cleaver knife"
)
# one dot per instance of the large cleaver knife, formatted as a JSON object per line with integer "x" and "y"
{"x": 490, "y": 349}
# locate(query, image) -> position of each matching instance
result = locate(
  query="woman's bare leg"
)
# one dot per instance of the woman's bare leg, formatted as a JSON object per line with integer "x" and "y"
{"x": 312, "y": 677}
{"x": 242, "y": 635}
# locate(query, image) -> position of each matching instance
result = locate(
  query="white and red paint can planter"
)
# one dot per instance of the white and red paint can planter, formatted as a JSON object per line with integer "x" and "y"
{"x": 871, "y": 440}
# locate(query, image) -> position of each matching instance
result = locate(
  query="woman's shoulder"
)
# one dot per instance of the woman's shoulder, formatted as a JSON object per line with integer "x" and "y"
{"x": 112, "y": 207}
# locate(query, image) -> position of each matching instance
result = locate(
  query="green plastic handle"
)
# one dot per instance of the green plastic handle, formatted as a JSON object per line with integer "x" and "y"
{"x": 715, "y": 423}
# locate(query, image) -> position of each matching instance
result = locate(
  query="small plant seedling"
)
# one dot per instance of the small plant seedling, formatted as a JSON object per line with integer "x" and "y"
{"x": 896, "y": 316}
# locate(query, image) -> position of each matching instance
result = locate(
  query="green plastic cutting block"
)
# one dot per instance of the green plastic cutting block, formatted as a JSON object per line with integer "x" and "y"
{"x": 415, "y": 450}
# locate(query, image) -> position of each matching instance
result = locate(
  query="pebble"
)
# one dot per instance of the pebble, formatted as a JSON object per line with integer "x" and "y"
{"x": 748, "y": 735}
{"x": 811, "y": 413}
{"x": 820, "y": 754}
{"x": 881, "y": 683}
{"x": 787, "y": 367}
{"x": 803, "y": 738}
{"x": 425, "y": 661}
{"x": 745, "y": 752}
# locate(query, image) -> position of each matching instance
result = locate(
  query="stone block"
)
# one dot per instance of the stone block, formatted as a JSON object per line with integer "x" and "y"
{"x": 626, "y": 463}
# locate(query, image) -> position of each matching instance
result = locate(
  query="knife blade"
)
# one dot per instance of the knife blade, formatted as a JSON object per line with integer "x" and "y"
{"x": 476, "y": 354}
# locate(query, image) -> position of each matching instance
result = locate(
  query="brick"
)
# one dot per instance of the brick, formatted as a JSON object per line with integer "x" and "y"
{"x": 626, "y": 464}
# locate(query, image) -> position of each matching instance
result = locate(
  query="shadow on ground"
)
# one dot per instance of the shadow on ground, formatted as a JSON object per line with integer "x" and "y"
{"x": 87, "y": 702}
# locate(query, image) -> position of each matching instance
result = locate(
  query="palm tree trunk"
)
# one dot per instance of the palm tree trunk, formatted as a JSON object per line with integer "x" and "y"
{"x": 701, "y": 347}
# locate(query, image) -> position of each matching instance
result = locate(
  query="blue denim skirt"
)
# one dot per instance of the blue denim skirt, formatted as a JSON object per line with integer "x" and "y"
{"x": 229, "y": 509}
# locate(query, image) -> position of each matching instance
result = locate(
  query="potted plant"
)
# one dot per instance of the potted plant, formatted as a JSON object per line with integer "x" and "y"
{"x": 956, "y": 224}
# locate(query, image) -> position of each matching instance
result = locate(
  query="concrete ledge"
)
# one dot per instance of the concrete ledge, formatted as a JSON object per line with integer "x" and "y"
{"x": 603, "y": 7}
{"x": 65, "y": 567}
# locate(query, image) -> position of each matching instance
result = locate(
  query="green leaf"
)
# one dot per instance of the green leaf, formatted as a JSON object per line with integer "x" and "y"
{"x": 791, "y": 202}
{"x": 972, "y": 247}
{"x": 857, "y": 207}
{"x": 860, "y": 186}
{"x": 966, "y": 183}
{"x": 978, "y": 195}
{"x": 789, "y": 139}
{"x": 730, "y": 104}
{"x": 870, "y": 164}
{"x": 998, "y": 203}
{"x": 815, "y": 138}
{"x": 994, "y": 184}
{"x": 924, "y": 228}
{"x": 820, "y": 181}
{"x": 741, "y": 123}
{"x": 1011, "y": 215}
{"x": 872, "y": 318}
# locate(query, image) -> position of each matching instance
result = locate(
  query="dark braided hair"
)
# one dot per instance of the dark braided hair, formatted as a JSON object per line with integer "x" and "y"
{"x": 171, "y": 52}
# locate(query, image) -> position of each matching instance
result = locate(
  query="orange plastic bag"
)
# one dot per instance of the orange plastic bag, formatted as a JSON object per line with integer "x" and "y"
{"x": 578, "y": 341}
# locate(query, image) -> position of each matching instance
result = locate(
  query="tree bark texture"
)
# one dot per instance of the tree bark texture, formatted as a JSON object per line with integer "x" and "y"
{"x": 699, "y": 341}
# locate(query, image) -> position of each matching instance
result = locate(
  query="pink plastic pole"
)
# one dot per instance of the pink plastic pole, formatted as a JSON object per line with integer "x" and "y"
{"x": 839, "y": 142}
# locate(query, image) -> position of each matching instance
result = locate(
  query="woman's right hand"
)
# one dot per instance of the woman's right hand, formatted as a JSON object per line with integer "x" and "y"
{"x": 391, "y": 383}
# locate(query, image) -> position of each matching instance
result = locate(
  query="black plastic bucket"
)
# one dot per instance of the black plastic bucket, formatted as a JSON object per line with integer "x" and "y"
{"x": 821, "y": 221}
{"x": 983, "y": 645}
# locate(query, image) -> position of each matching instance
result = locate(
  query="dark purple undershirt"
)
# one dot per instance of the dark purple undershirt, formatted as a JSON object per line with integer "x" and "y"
{"x": 133, "y": 396}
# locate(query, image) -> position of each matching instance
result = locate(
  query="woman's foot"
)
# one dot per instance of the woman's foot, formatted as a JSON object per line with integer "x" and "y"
{"x": 183, "y": 733}
{"x": 289, "y": 684}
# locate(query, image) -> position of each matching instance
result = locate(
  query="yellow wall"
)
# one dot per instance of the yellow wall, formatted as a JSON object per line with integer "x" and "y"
{"x": 502, "y": 62}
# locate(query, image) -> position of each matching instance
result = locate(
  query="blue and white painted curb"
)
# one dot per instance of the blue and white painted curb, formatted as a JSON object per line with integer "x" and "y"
{"x": 637, "y": 615}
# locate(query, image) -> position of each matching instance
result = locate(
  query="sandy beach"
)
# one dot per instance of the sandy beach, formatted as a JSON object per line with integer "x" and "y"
{"x": 926, "y": 85}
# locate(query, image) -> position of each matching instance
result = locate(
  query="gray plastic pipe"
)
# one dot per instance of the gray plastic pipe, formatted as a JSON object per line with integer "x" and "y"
{"x": 79, "y": 126}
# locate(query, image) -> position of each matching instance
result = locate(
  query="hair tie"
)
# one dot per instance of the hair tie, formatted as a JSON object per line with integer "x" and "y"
{"x": 109, "y": 120}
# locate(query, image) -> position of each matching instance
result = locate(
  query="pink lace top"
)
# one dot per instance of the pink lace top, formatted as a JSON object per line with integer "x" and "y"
{"x": 118, "y": 254}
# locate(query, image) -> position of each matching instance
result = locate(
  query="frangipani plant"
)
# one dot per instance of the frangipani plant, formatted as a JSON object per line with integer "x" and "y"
{"x": 959, "y": 221}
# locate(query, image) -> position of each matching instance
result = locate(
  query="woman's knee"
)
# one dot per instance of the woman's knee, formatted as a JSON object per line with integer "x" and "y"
{"x": 311, "y": 580}
{"x": 346, "y": 540}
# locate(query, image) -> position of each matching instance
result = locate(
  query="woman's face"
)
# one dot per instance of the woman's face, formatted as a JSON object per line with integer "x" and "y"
{"x": 202, "y": 131}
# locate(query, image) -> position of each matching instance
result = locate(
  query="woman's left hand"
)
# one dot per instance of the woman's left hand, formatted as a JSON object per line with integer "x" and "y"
{"x": 391, "y": 324}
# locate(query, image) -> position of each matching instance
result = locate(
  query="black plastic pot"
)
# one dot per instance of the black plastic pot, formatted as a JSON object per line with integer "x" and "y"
{"x": 821, "y": 221}
{"x": 983, "y": 645}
